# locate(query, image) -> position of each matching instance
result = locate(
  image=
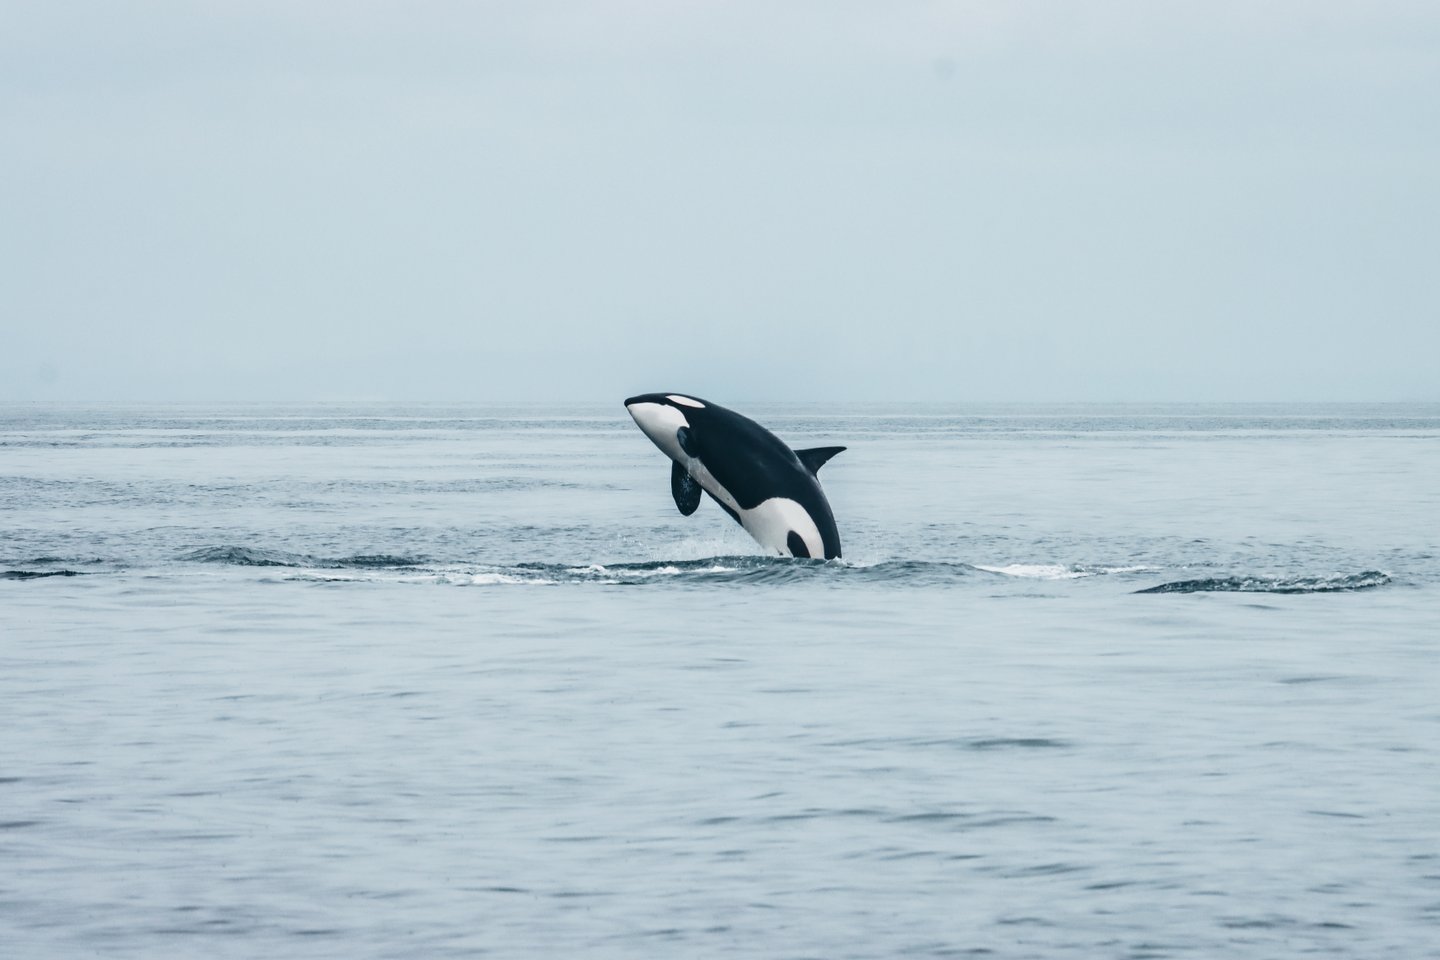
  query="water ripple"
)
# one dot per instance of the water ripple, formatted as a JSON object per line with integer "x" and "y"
{"x": 37, "y": 574}
{"x": 1336, "y": 583}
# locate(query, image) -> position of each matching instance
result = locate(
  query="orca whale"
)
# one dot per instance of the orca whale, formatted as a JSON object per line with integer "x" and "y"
{"x": 767, "y": 488}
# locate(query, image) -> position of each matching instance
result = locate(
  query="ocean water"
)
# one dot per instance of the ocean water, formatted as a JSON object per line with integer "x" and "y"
{"x": 437, "y": 681}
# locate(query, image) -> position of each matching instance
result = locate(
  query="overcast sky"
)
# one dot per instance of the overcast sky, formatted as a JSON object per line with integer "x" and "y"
{"x": 816, "y": 200}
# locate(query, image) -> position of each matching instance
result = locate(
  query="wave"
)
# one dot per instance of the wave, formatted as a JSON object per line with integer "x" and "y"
{"x": 37, "y": 574}
{"x": 382, "y": 560}
{"x": 744, "y": 569}
{"x": 244, "y": 557}
{"x": 1057, "y": 571}
{"x": 741, "y": 569}
{"x": 258, "y": 557}
{"x": 1336, "y": 583}
{"x": 722, "y": 569}
{"x": 726, "y": 569}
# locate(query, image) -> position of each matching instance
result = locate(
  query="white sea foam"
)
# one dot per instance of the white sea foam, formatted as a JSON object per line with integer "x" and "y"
{"x": 492, "y": 579}
{"x": 308, "y": 576}
{"x": 667, "y": 570}
{"x": 1035, "y": 571}
{"x": 1055, "y": 571}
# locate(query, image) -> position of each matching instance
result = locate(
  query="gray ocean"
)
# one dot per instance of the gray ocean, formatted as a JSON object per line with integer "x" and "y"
{"x": 421, "y": 680}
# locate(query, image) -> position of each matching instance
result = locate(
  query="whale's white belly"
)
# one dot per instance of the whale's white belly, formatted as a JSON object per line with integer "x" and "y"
{"x": 771, "y": 521}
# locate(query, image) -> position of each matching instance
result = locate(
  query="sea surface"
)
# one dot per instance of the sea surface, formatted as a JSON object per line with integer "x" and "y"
{"x": 423, "y": 680}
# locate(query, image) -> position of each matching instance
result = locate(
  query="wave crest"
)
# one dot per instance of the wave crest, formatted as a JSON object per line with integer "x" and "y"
{"x": 37, "y": 574}
{"x": 729, "y": 569}
{"x": 1336, "y": 583}
{"x": 259, "y": 557}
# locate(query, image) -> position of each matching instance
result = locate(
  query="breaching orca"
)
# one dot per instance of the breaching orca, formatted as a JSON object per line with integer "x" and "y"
{"x": 768, "y": 489}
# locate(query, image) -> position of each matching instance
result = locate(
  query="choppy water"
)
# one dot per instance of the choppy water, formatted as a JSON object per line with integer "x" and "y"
{"x": 403, "y": 681}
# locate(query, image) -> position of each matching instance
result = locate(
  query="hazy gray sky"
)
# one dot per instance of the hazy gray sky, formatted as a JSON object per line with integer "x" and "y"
{"x": 1110, "y": 200}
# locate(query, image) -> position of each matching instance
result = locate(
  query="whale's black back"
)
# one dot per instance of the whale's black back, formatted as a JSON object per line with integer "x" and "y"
{"x": 755, "y": 465}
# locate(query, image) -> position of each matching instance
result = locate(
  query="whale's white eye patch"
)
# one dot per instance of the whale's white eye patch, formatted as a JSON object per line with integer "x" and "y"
{"x": 685, "y": 401}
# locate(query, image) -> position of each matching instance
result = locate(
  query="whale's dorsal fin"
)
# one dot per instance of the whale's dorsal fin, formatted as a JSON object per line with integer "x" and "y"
{"x": 684, "y": 488}
{"x": 815, "y": 457}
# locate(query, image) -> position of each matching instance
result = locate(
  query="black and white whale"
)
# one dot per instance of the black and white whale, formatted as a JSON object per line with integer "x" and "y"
{"x": 769, "y": 489}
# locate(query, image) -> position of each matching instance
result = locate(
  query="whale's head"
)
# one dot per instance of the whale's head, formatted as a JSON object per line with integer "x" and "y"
{"x": 667, "y": 418}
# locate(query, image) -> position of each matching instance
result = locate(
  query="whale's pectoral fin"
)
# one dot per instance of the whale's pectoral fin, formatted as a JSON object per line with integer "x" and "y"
{"x": 816, "y": 457}
{"x": 684, "y": 488}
